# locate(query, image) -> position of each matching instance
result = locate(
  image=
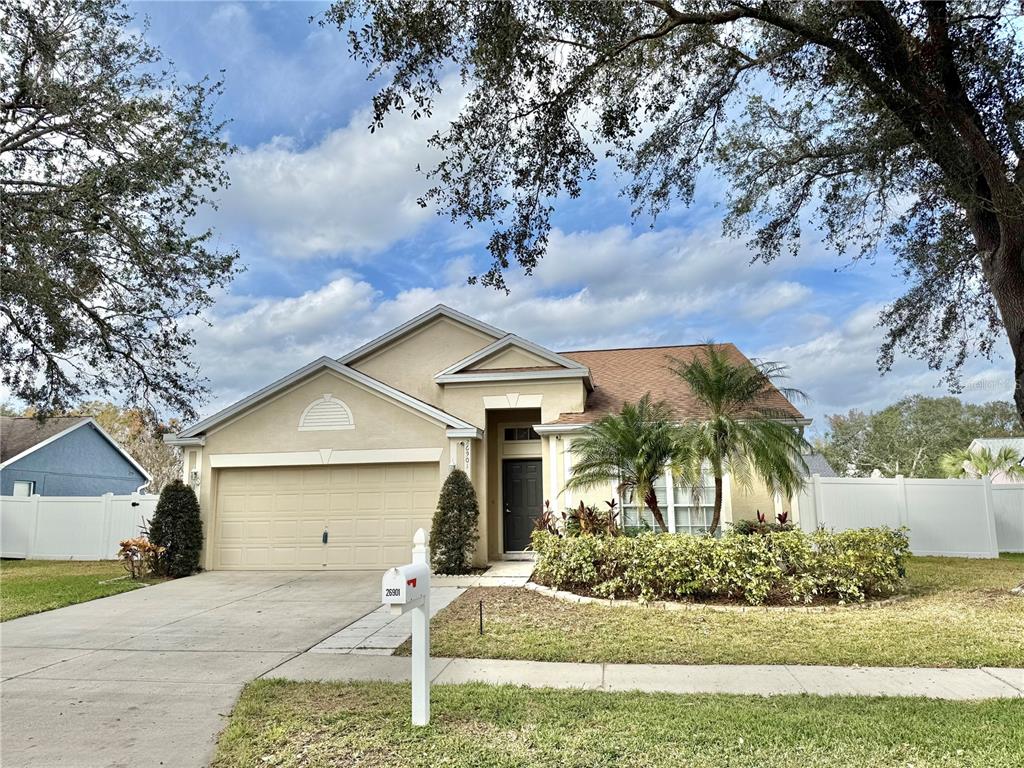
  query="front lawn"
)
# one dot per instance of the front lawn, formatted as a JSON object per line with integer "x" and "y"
{"x": 960, "y": 614}
{"x": 32, "y": 586}
{"x": 314, "y": 725}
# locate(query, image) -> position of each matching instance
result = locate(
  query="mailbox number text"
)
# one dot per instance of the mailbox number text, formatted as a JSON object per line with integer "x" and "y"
{"x": 392, "y": 592}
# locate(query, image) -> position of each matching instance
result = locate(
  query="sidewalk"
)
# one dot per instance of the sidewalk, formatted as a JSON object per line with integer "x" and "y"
{"x": 959, "y": 684}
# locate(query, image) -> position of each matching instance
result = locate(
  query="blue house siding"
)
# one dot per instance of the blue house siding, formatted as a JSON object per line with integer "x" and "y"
{"x": 82, "y": 463}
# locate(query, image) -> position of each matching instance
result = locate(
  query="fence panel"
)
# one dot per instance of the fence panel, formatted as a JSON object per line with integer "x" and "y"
{"x": 1008, "y": 502}
{"x": 70, "y": 527}
{"x": 955, "y": 518}
{"x": 950, "y": 517}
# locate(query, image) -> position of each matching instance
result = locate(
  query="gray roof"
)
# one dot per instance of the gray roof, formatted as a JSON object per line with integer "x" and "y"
{"x": 18, "y": 434}
{"x": 816, "y": 465}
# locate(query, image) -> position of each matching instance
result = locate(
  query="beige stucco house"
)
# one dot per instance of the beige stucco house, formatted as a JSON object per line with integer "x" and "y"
{"x": 338, "y": 463}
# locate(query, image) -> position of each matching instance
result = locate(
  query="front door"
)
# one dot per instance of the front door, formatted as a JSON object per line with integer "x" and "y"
{"x": 523, "y": 497}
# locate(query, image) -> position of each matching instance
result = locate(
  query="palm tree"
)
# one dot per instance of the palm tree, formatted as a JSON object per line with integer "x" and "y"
{"x": 975, "y": 464}
{"x": 744, "y": 431}
{"x": 633, "y": 449}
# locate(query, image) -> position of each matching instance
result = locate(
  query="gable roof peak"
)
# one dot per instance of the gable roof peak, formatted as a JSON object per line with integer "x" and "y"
{"x": 321, "y": 363}
{"x": 506, "y": 341}
{"x": 438, "y": 310}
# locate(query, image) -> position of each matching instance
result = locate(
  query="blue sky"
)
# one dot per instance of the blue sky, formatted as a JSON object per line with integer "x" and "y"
{"x": 336, "y": 249}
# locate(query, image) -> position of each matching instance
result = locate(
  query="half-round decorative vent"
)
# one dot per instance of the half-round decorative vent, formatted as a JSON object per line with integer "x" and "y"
{"x": 326, "y": 413}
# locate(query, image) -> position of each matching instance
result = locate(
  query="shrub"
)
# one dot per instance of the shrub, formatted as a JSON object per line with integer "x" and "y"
{"x": 453, "y": 533}
{"x": 750, "y": 527}
{"x": 584, "y": 519}
{"x": 777, "y": 567}
{"x": 178, "y": 529}
{"x": 140, "y": 557}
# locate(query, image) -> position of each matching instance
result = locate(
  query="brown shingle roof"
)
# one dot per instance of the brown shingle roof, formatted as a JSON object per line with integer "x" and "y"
{"x": 18, "y": 434}
{"x": 626, "y": 375}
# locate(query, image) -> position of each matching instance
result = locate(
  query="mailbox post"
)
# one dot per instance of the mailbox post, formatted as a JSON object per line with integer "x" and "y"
{"x": 407, "y": 589}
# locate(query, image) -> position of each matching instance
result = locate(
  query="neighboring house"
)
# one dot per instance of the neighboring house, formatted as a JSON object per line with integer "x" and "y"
{"x": 817, "y": 465}
{"x": 995, "y": 444}
{"x": 64, "y": 456}
{"x": 337, "y": 464}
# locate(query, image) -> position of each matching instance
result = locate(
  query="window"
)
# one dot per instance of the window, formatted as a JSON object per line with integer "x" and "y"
{"x": 24, "y": 487}
{"x": 637, "y": 516}
{"x": 325, "y": 413}
{"x": 693, "y": 510}
{"x": 520, "y": 433}
{"x": 684, "y": 511}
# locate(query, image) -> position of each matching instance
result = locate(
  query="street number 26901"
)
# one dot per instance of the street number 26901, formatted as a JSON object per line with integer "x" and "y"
{"x": 392, "y": 592}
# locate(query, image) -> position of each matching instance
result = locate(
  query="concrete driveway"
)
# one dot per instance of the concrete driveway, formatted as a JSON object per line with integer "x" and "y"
{"x": 146, "y": 678}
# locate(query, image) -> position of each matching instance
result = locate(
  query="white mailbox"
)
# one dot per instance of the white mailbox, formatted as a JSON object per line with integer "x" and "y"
{"x": 406, "y": 584}
{"x": 407, "y": 588}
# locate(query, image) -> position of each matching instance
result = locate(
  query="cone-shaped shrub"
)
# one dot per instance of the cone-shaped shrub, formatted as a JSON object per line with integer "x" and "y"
{"x": 177, "y": 527}
{"x": 453, "y": 533}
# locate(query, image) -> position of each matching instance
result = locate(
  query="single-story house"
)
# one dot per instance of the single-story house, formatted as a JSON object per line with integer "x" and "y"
{"x": 996, "y": 444}
{"x": 336, "y": 464}
{"x": 64, "y": 456}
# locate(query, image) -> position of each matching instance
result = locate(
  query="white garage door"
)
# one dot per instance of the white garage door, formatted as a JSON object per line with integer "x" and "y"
{"x": 274, "y": 517}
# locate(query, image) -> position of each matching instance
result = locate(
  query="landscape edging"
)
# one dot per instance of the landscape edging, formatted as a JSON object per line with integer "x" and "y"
{"x": 671, "y": 605}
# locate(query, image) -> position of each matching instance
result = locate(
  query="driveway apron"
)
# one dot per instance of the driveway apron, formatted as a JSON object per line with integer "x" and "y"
{"x": 148, "y": 677}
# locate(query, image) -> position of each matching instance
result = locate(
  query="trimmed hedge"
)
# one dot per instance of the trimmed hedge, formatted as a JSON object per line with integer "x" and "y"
{"x": 776, "y": 567}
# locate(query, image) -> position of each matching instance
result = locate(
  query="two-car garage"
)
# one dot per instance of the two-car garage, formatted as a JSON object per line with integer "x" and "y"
{"x": 275, "y": 517}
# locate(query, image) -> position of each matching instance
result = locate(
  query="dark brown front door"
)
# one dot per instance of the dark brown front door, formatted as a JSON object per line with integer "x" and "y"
{"x": 522, "y": 494}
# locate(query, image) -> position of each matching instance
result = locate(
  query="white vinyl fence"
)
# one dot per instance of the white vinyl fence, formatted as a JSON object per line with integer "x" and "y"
{"x": 957, "y": 518}
{"x": 70, "y": 527}
{"x": 1008, "y": 501}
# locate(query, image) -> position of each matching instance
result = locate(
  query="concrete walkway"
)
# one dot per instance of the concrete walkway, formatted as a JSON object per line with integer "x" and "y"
{"x": 499, "y": 573}
{"x": 953, "y": 684}
{"x": 378, "y": 633}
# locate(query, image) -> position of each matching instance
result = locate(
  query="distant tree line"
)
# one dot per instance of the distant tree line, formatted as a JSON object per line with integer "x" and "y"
{"x": 911, "y": 436}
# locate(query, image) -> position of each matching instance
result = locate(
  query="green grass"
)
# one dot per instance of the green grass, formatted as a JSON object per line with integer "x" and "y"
{"x": 960, "y": 614}
{"x": 33, "y": 586}
{"x": 314, "y": 725}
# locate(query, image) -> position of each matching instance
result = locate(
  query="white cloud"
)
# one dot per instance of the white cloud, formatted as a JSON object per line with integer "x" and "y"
{"x": 607, "y": 288}
{"x": 355, "y": 192}
{"x": 837, "y": 368}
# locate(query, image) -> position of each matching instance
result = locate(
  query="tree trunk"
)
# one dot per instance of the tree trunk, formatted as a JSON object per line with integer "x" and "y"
{"x": 651, "y": 500}
{"x": 716, "y": 518}
{"x": 1003, "y": 266}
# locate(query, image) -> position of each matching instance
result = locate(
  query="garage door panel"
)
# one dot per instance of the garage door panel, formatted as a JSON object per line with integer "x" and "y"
{"x": 315, "y": 502}
{"x": 259, "y": 503}
{"x": 368, "y": 529}
{"x": 284, "y": 530}
{"x": 343, "y": 477}
{"x": 371, "y": 475}
{"x": 341, "y": 528}
{"x": 256, "y": 556}
{"x": 274, "y": 517}
{"x": 342, "y": 502}
{"x": 369, "y": 502}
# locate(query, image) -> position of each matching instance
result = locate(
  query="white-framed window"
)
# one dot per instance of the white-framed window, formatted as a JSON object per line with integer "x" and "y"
{"x": 692, "y": 510}
{"x": 519, "y": 434}
{"x": 326, "y": 412}
{"x": 23, "y": 488}
{"x": 683, "y": 510}
{"x": 637, "y": 516}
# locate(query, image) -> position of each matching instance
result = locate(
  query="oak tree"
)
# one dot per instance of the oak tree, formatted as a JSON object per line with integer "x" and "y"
{"x": 105, "y": 158}
{"x": 883, "y": 124}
